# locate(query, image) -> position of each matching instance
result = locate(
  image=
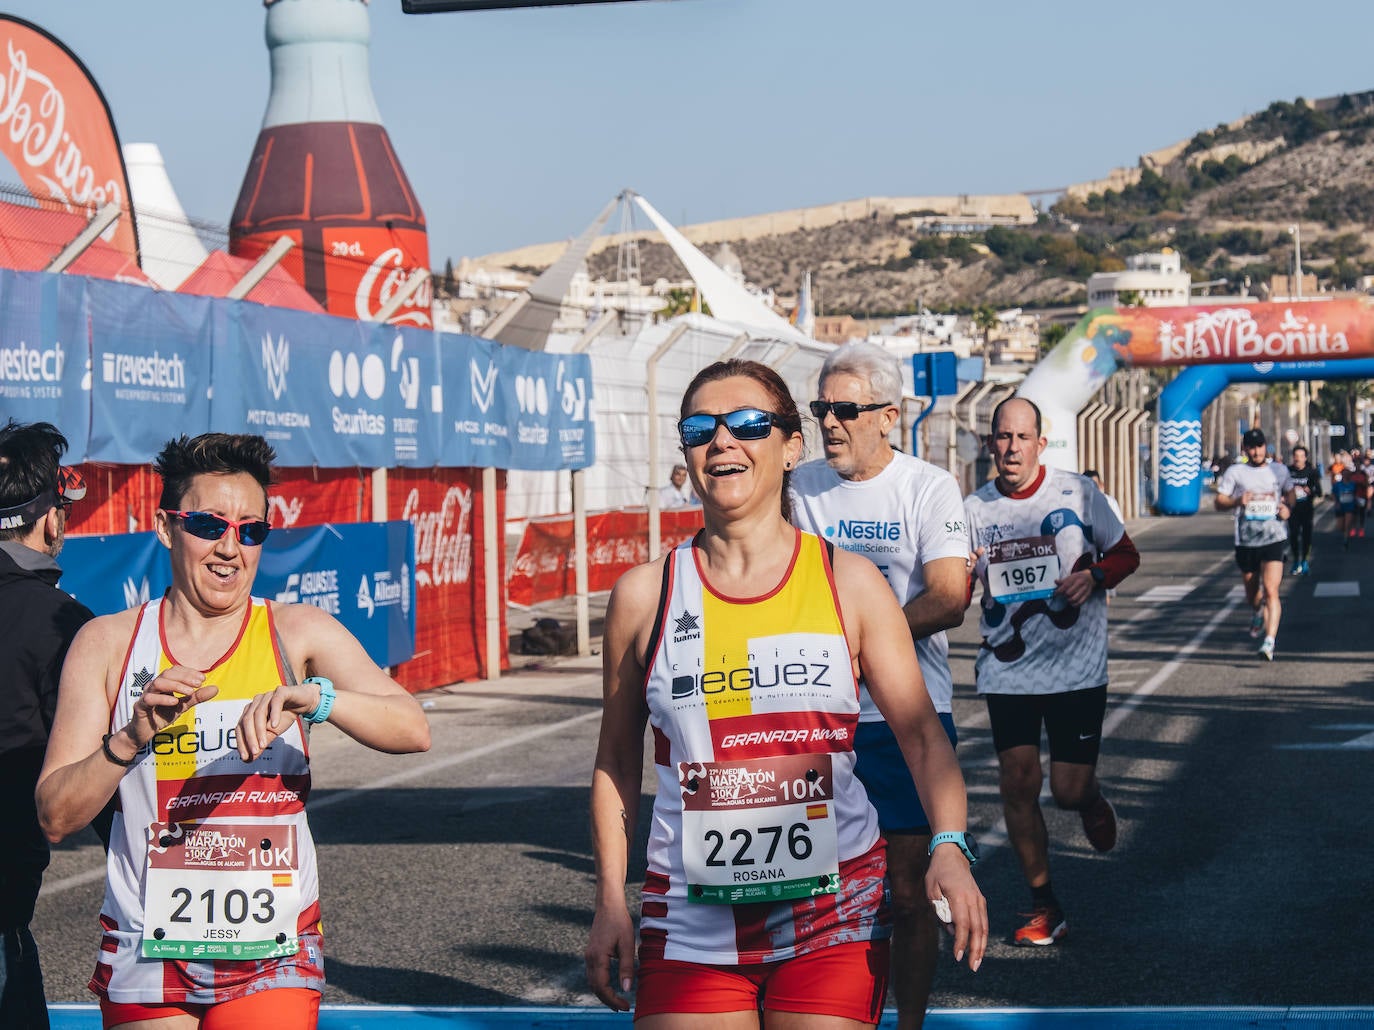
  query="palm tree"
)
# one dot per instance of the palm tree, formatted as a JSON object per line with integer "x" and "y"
{"x": 1335, "y": 402}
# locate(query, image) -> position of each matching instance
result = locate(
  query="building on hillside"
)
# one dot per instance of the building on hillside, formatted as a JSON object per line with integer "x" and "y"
{"x": 1014, "y": 340}
{"x": 839, "y": 328}
{"x": 1286, "y": 287}
{"x": 1157, "y": 279}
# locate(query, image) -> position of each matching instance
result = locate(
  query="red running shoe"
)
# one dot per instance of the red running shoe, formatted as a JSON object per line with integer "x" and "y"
{"x": 1099, "y": 823}
{"x": 1046, "y": 926}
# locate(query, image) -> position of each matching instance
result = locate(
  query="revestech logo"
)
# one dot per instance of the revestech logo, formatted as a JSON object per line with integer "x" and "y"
{"x": 855, "y": 529}
{"x": 144, "y": 370}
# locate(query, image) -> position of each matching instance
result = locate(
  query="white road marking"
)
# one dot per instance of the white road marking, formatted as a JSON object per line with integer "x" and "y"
{"x": 1364, "y": 742}
{"x": 1337, "y": 588}
{"x": 1156, "y": 595}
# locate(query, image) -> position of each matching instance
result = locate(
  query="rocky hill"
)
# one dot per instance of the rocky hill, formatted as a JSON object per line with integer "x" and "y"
{"x": 1224, "y": 199}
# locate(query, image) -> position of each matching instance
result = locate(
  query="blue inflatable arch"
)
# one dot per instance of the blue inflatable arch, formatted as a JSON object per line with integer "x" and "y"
{"x": 1180, "y": 417}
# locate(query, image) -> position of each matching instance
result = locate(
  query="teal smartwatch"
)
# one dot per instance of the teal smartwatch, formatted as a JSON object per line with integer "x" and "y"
{"x": 966, "y": 843}
{"x": 326, "y": 705}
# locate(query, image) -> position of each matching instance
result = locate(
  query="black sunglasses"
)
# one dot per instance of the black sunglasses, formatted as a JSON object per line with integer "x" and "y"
{"x": 845, "y": 411}
{"x": 744, "y": 424}
{"x": 251, "y": 532}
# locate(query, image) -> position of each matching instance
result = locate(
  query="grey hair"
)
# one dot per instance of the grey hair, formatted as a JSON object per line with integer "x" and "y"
{"x": 875, "y": 365}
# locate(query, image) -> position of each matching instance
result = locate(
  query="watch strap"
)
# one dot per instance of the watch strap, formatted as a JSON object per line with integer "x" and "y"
{"x": 951, "y": 837}
{"x": 327, "y": 695}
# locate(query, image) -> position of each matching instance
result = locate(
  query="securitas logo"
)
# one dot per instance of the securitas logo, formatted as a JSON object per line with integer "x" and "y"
{"x": 856, "y": 529}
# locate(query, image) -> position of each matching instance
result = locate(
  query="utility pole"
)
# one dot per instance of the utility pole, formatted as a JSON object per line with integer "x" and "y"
{"x": 1304, "y": 387}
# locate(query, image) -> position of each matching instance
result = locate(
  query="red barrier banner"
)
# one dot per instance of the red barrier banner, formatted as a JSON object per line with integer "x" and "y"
{"x": 616, "y": 542}
{"x": 56, "y": 129}
{"x": 445, "y": 507}
{"x": 123, "y": 498}
{"x": 314, "y": 496}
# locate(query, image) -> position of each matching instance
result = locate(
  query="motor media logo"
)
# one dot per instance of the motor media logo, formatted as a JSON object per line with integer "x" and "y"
{"x": 276, "y": 361}
{"x": 483, "y": 385}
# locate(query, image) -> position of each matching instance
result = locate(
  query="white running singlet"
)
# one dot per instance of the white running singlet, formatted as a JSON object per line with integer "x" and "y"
{"x": 1257, "y": 523}
{"x": 1034, "y": 643}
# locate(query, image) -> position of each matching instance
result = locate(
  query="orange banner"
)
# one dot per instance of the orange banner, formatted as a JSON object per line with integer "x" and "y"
{"x": 56, "y": 129}
{"x": 1233, "y": 333}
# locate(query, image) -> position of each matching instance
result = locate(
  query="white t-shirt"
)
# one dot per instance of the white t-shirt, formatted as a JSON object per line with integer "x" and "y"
{"x": 1029, "y": 542}
{"x": 676, "y": 496}
{"x": 1257, "y": 523}
{"x": 908, "y": 514}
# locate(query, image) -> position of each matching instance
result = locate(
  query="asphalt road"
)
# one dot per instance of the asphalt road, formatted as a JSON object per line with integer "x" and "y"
{"x": 1242, "y": 875}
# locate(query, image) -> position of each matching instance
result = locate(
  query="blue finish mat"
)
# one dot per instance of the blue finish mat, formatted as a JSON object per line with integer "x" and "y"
{"x": 375, "y": 1017}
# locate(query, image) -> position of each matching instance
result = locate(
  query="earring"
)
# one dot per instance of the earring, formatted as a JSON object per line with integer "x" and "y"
{"x": 787, "y": 464}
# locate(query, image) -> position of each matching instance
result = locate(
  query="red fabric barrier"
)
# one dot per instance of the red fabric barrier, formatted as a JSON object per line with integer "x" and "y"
{"x": 445, "y": 506}
{"x": 123, "y": 498}
{"x": 616, "y": 542}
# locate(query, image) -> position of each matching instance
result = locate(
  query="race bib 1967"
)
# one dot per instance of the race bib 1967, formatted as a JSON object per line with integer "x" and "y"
{"x": 759, "y": 830}
{"x": 1022, "y": 569}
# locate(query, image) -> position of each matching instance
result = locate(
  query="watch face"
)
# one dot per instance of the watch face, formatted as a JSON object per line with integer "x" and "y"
{"x": 972, "y": 844}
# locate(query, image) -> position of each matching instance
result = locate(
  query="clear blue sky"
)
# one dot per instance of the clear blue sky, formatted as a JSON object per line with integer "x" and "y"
{"x": 516, "y": 127}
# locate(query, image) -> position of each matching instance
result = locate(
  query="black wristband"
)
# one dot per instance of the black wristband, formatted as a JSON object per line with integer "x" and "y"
{"x": 105, "y": 746}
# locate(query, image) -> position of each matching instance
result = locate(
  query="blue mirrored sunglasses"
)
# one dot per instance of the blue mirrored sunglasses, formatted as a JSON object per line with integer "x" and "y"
{"x": 251, "y": 532}
{"x": 744, "y": 424}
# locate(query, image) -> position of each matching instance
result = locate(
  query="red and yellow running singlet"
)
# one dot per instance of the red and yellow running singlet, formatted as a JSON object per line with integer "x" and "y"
{"x": 763, "y": 844}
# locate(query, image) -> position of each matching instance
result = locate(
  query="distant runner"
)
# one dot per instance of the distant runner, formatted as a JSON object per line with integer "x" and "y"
{"x": 1307, "y": 490}
{"x": 1262, "y": 496}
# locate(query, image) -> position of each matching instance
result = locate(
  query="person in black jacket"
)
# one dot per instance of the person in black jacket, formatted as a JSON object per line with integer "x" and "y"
{"x": 39, "y": 620}
{"x": 1307, "y": 488}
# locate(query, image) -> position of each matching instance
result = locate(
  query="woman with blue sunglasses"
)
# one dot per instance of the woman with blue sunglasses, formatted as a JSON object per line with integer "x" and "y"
{"x": 764, "y": 900}
{"x": 193, "y": 710}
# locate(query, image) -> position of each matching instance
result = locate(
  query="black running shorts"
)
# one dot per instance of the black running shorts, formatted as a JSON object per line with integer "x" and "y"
{"x": 1250, "y": 559}
{"x": 1072, "y": 720}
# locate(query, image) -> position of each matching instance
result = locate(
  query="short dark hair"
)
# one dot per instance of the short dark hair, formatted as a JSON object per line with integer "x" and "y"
{"x": 997, "y": 412}
{"x": 184, "y": 458}
{"x": 782, "y": 405}
{"x": 1300, "y": 447}
{"x": 29, "y": 459}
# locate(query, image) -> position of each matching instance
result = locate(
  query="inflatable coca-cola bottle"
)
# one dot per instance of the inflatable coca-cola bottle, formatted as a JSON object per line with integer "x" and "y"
{"x": 323, "y": 171}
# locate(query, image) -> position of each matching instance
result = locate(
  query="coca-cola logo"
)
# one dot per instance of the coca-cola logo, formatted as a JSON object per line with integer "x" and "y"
{"x": 443, "y": 538}
{"x": 33, "y": 112}
{"x": 383, "y": 278}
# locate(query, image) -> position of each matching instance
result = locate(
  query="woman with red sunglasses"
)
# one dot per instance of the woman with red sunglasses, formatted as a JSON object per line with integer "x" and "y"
{"x": 193, "y": 709}
{"x": 764, "y": 897}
